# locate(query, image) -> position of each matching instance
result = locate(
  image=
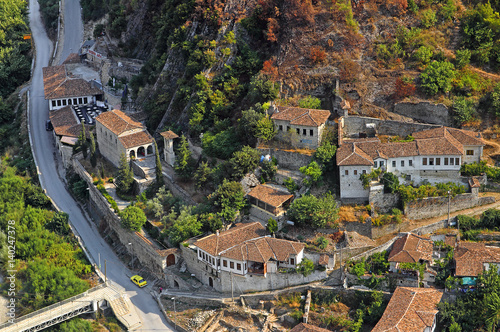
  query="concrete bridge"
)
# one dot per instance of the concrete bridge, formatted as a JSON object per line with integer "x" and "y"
{"x": 100, "y": 296}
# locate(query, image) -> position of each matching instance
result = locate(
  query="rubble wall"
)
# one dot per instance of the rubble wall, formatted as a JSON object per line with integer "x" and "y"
{"x": 357, "y": 124}
{"x": 425, "y": 111}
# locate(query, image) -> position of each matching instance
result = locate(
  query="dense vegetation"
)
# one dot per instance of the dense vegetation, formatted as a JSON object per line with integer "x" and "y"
{"x": 47, "y": 257}
{"x": 470, "y": 227}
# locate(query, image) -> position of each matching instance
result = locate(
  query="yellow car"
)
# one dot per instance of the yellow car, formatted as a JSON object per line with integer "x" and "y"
{"x": 139, "y": 281}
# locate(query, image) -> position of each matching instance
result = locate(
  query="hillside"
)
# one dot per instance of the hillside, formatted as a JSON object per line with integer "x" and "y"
{"x": 207, "y": 60}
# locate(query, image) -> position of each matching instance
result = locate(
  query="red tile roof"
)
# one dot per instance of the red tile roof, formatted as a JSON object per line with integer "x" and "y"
{"x": 411, "y": 248}
{"x": 303, "y": 327}
{"x": 348, "y": 154}
{"x": 215, "y": 243}
{"x": 118, "y": 122}
{"x": 263, "y": 249}
{"x": 301, "y": 116}
{"x": 470, "y": 258}
{"x": 169, "y": 134}
{"x": 410, "y": 310}
{"x": 464, "y": 137}
{"x": 57, "y": 84}
{"x": 270, "y": 196}
{"x": 136, "y": 139}
{"x": 65, "y": 122}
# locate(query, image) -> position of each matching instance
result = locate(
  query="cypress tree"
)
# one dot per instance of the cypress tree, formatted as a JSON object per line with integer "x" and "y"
{"x": 159, "y": 174}
{"x": 93, "y": 152}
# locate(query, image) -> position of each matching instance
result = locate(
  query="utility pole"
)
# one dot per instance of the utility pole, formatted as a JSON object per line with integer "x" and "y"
{"x": 175, "y": 316}
{"x": 449, "y": 200}
{"x": 105, "y": 277}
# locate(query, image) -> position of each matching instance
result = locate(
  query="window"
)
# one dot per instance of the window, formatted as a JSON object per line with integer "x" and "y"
{"x": 304, "y": 132}
{"x": 238, "y": 267}
{"x": 355, "y": 172}
{"x": 402, "y": 163}
{"x": 457, "y": 161}
{"x": 410, "y": 162}
{"x": 446, "y": 161}
{"x": 394, "y": 163}
{"x": 375, "y": 164}
{"x": 80, "y": 100}
{"x": 245, "y": 266}
{"x": 199, "y": 253}
{"x": 53, "y": 103}
{"x": 438, "y": 161}
{"x": 58, "y": 103}
{"x": 298, "y": 131}
{"x": 75, "y": 101}
{"x": 70, "y": 101}
{"x": 311, "y": 132}
{"x": 85, "y": 100}
{"x": 431, "y": 161}
{"x": 64, "y": 102}
{"x": 470, "y": 152}
{"x": 231, "y": 265}
{"x": 452, "y": 161}
{"x": 364, "y": 171}
{"x": 424, "y": 161}
{"x": 381, "y": 163}
{"x": 346, "y": 172}
{"x": 292, "y": 261}
{"x": 287, "y": 128}
{"x": 281, "y": 127}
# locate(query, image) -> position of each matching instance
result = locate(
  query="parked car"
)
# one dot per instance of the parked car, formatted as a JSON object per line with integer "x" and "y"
{"x": 48, "y": 125}
{"x": 139, "y": 281}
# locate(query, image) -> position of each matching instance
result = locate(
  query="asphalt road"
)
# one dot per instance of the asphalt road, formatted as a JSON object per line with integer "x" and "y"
{"x": 73, "y": 28}
{"x": 44, "y": 154}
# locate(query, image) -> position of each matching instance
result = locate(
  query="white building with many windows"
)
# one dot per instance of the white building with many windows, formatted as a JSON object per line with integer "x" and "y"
{"x": 434, "y": 155}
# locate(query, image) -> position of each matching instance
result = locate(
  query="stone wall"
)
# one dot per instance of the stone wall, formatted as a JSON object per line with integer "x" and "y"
{"x": 437, "y": 206}
{"x": 286, "y": 159}
{"x": 380, "y": 231}
{"x": 425, "y": 111}
{"x": 362, "y": 228}
{"x": 383, "y": 202}
{"x": 106, "y": 218}
{"x": 385, "y": 246}
{"x": 357, "y": 124}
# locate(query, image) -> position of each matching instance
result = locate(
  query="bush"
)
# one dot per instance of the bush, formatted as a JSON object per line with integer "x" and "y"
{"x": 291, "y": 185}
{"x": 305, "y": 267}
{"x": 311, "y": 211}
{"x": 462, "y": 58}
{"x": 322, "y": 242}
{"x": 428, "y": 18}
{"x": 464, "y": 110}
{"x": 133, "y": 218}
{"x": 437, "y": 77}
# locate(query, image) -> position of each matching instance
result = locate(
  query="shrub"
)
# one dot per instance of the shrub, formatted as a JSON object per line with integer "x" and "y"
{"x": 437, "y": 77}
{"x": 313, "y": 173}
{"x": 290, "y": 185}
{"x": 428, "y": 18}
{"x": 317, "y": 54}
{"x": 272, "y": 225}
{"x": 404, "y": 87}
{"x": 322, "y": 242}
{"x": 423, "y": 55}
{"x": 464, "y": 110}
{"x": 305, "y": 267}
{"x": 311, "y": 211}
{"x": 133, "y": 218}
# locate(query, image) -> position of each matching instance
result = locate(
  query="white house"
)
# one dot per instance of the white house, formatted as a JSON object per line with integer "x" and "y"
{"x": 62, "y": 89}
{"x": 245, "y": 249}
{"x": 118, "y": 133}
{"x": 306, "y": 124}
{"x": 434, "y": 155}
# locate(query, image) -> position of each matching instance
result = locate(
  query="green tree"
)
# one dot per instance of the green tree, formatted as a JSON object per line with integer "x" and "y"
{"x": 133, "y": 218}
{"x": 185, "y": 226}
{"x": 243, "y": 162}
{"x": 158, "y": 167}
{"x": 247, "y": 126}
{"x": 313, "y": 173}
{"x": 263, "y": 90}
{"x": 59, "y": 224}
{"x": 437, "y": 77}
{"x": 184, "y": 162}
{"x": 495, "y": 99}
{"x": 311, "y": 211}
{"x": 464, "y": 110}
{"x": 462, "y": 58}
{"x": 202, "y": 175}
{"x": 492, "y": 311}
{"x": 211, "y": 222}
{"x": 93, "y": 152}
{"x": 290, "y": 185}
{"x": 305, "y": 267}
{"x": 423, "y": 55}
{"x": 265, "y": 129}
{"x": 125, "y": 177}
{"x": 82, "y": 141}
{"x": 228, "y": 199}
{"x": 268, "y": 170}
{"x": 272, "y": 225}
{"x": 391, "y": 182}
{"x": 310, "y": 102}
{"x": 428, "y": 18}
{"x": 325, "y": 154}
{"x": 321, "y": 242}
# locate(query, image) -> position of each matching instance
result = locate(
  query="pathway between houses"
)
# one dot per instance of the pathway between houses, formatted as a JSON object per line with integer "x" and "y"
{"x": 423, "y": 222}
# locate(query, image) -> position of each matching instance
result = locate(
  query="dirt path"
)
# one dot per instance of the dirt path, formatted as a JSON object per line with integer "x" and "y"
{"x": 423, "y": 222}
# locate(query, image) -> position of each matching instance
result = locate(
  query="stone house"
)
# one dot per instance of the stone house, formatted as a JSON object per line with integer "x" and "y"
{"x": 268, "y": 202}
{"x": 410, "y": 248}
{"x": 306, "y": 124}
{"x": 243, "y": 251}
{"x": 118, "y": 133}
{"x": 472, "y": 258}
{"x": 62, "y": 89}
{"x": 410, "y": 310}
{"x": 435, "y": 155}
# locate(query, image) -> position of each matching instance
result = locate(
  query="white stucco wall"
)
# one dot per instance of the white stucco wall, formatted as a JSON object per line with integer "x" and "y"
{"x": 350, "y": 184}
{"x": 477, "y": 152}
{"x": 243, "y": 266}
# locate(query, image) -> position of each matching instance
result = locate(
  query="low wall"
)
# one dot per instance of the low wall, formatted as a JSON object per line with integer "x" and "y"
{"x": 437, "y": 206}
{"x": 382, "y": 202}
{"x": 357, "y": 124}
{"x": 362, "y": 228}
{"x": 107, "y": 219}
{"x": 289, "y": 160}
{"x": 425, "y": 111}
{"x": 380, "y": 231}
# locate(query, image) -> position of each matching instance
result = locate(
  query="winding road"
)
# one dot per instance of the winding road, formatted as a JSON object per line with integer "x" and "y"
{"x": 42, "y": 144}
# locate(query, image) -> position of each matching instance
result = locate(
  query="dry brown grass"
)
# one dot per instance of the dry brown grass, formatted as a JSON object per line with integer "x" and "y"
{"x": 349, "y": 213}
